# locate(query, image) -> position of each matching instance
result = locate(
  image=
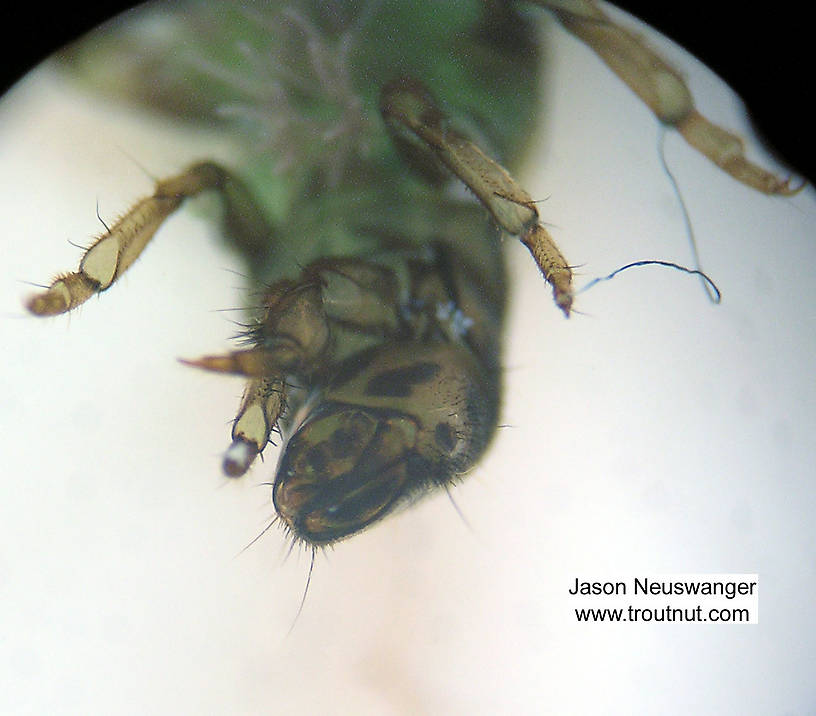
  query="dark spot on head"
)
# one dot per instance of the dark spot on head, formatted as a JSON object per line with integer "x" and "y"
{"x": 352, "y": 367}
{"x": 340, "y": 443}
{"x": 317, "y": 458}
{"x": 445, "y": 436}
{"x": 399, "y": 382}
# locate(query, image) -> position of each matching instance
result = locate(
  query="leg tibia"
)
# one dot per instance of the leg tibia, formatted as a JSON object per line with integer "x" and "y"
{"x": 106, "y": 259}
{"x": 116, "y": 250}
{"x": 261, "y": 408}
{"x": 663, "y": 90}
{"x": 413, "y": 117}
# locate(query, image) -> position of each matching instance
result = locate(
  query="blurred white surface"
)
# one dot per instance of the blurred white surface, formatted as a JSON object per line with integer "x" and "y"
{"x": 655, "y": 434}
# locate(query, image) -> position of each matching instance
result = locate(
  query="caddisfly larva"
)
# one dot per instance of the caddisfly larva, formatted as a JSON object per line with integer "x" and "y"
{"x": 359, "y": 117}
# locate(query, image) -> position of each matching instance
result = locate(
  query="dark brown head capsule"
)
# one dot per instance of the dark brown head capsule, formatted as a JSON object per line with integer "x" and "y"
{"x": 395, "y": 423}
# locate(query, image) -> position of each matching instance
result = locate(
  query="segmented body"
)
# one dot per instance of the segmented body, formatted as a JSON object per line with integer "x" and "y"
{"x": 376, "y": 348}
{"x": 375, "y": 345}
{"x": 408, "y": 279}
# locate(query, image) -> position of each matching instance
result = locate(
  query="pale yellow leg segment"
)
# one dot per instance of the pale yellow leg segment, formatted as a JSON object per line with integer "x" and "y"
{"x": 261, "y": 407}
{"x": 116, "y": 250}
{"x": 250, "y": 362}
{"x": 663, "y": 89}
{"x": 408, "y": 107}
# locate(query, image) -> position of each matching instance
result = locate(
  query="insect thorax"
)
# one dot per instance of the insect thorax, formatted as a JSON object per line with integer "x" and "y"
{"x": 399, "y": 355}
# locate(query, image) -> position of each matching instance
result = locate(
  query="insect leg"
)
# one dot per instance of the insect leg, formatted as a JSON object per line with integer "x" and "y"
{"x": 337, "y": 307}
{"x": 297, "y": 331}
{"x": 663, "y": 90}
{"x": 261, "y": 408}
{"x": 417, "y": 123}
{"x": 116, "y": 250}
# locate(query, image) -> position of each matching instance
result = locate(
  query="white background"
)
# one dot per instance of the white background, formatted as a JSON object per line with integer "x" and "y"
{"x": 654, "y": 434}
